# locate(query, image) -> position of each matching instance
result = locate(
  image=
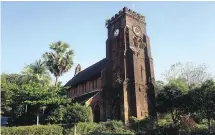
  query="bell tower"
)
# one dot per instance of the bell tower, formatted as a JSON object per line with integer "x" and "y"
{"x": 130, "y": 71}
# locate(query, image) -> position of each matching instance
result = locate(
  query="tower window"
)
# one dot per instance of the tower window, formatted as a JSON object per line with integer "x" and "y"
{"x": 135, "y": 41}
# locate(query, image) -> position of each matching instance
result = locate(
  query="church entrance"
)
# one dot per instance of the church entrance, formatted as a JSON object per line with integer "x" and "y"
{"x": 117, "y": 109}
{"x": 97, "y": 112}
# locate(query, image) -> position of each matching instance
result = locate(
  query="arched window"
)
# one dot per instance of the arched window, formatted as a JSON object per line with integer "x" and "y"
{"x": 97, "y": 112}
{"x": 135, "y": 41}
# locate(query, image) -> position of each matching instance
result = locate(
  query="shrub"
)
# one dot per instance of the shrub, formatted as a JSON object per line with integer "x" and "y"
{"x": 165, "y": 120}
{"x": 33, "y": 130}
{"x": 113, "y": 127}
{"x": 56, "y": 116}
{"x": 110, "y": 127}
{"x": 77, "y": 113}
{"x": 81, "y": 128}
{"x": 141, "y": 125}
{"x": 133, "y": 123}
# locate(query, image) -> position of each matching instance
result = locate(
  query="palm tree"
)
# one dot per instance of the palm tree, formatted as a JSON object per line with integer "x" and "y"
{"x": 36, "y": 72}
{"x": 60, "y": 60}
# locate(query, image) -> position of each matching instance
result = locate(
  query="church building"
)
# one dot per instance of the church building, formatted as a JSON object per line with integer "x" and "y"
{"x": 122, "y": 84}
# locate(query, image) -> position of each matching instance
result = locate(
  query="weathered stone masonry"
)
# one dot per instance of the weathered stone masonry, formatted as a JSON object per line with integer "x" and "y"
{"x": 122, "y": 84}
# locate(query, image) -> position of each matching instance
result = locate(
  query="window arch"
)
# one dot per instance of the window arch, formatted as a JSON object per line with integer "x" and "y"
{"x": 135, "y": 41}
{"x": 97, "y": 112}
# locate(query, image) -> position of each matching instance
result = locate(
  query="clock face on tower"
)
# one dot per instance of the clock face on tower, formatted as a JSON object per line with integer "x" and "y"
{"x": 116, "y": 32}
{"x": 137, "y": 30}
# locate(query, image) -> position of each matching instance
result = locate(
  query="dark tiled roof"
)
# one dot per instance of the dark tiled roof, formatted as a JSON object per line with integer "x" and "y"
{"x": 82, "y": 99}
{"x": 89, "y": 72}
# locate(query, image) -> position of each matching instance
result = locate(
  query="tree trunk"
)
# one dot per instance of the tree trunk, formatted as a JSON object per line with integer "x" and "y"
{"x": 173, "y": 118}
{"x": 209, "y": 125}
{"x": 38, "y": 117}
{"x": 56, "y": 80}
{"x": 75, "y": 130}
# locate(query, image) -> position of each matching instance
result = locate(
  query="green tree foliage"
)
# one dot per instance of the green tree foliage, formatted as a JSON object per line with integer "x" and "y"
{"x": 70, "y": 114}
{"x": 10, "y": 83}
{"x": 33, "y": 130}
{"x": 56, "y": 116}
{"x": 145, "y": 124}
{"x": 35, "y": 99}
{"x": 203, "y": 101}
{"x": 158, "y": 86}
{"x": 77, "y": 113}
{"x": 23, "y": 96}
{"x": 60, "y": 60}
{"x": 171, "y": 99}
{"x": 111, "y": 127}
{"x": 33, "y": 95}
{"x": 36, "y": 72}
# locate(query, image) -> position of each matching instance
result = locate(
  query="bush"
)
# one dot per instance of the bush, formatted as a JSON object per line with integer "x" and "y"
{"x": 113, "y": 127}
{"x": 186, "y": 124}
{"x": 145, "y": 124}
{"x": 81, "y": 128}
{"x": 33, "y": 130}
{"x": 133, "y": 123}
{"x": 77, "y": 113}
{"x": 57, "y": 115}
{"x": 110, "y": 127}
{"x": 165, "y": 120}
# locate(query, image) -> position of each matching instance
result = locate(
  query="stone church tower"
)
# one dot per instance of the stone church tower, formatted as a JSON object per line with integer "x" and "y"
{"x": 122, "y": 84}
{"x": 129, "y": 76}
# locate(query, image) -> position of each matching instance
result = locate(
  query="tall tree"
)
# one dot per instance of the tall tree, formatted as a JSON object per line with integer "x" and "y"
{"x": 203, "y": 101}
{"x": 193, "y": 74}
{"x": 36, "y": 72}
{"x": 10, "y": 83}
{"x": 171, "y": 98}
{"x": 158, "y": 86}
{"x": 60, "y": 60}
{"x": 37, "y": 96}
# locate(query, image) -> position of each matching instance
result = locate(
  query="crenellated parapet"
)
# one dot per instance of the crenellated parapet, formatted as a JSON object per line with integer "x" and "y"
{"x": 123, "y": 12}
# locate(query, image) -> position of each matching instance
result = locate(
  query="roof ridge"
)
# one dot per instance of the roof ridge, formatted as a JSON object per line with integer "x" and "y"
{"x": 91, "y": 65}
{"x": 87, "y": 73}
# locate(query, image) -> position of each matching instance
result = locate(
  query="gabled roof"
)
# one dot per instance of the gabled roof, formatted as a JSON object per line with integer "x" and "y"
{"x": 84, "y": 98}
{"x": 88, "y": 73}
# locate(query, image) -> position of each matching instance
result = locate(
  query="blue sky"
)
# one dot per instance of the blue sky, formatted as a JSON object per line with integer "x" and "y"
{"x": 179, "y": 32}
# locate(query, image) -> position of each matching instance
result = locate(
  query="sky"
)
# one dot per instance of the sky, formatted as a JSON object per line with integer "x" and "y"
{"x": 179, "y": 32}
